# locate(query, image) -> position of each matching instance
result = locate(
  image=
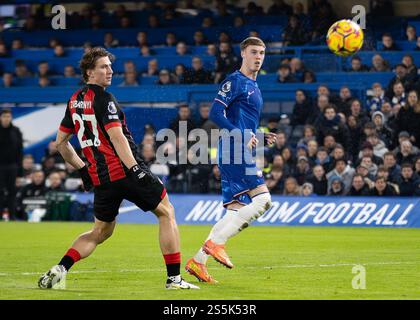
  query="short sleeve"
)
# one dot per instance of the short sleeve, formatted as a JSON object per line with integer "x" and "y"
{"x": 67, "y": 124}
{"x": 111, "y": 113}
{"x": 229, "y": 90}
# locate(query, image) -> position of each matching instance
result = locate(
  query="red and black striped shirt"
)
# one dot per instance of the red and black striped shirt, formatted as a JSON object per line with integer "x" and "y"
{"x": 89, "y": 113}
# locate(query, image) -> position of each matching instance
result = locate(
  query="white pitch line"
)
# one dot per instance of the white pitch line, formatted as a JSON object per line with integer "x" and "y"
{"x": 247, "y": 267}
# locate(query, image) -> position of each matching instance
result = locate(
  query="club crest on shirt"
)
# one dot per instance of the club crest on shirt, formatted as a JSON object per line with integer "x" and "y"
{"x": 111, "y": 107}
{"x": 226, "y": 86}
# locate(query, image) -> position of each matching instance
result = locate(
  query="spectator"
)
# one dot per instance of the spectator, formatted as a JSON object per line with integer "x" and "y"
{"x": 55, "y": 182}
{"x": 130, "y": 79}
{"x": 400, "y": 77}
{"x": 312, "y": 151}
{"x": 278, "y": 146}
{"x": 87, "y": 46}
{"x": 382, "y": 8}
{"x": 197, "y": 74}
{"x": 297, "y": 68}
{"x": 302, "y": 170}
{"x": 388, "y": 43}
{"x": 4, "y": 53}
{"x": 8, "y": 80}
{"x": 184, "y": 115}
{"x": 253, "y": 9}
{"x": 319, "y": 180}
{"x": 224, "y": 37}
{"x": 96, "y": 22}
{"x": 145, "y": 51}
{"x": 359, "y": 188}
{"x": 357, "y": 66}
{"x": 109, "y": 41}
{"x": 207, "y": 22}
{"x": 370, "y": 165}
{"x": 199, "y": 38}
{"x": 226, "y": 62}
{"x": 148, "y": 154}
{"x": 142, "y": 39}
{"x": 279, "y": 7}
{"x": 337, "y": 187}
{"x": 330, "y": 124}
{"x": 165, "y": 77}
{"x": 152, "y": 68}
{"x": 129, "y": 66}
{"x": 28, "y": 165}
{"x": 59, "y": 51}
{"x": 417, "y": 166}
{"x": 309, "y": 77}
{"x": 355, "y": 131}
{"x": 363, "y": 171}
{"x": 408, "y": 61}
{"x": 378, "y": 98}
{"x": 215, "y": 181}
{"x": 34, "y": 189}
{"x": 307, "y": 190}
{"x": 291, "y": 187}
{"x": 44, "y": 81}
{"x": 180, "y": 73}
{"x": 367, "y": 151}
{"x": 153, "y": 21}
{"x": 379, "y": 148}
{"x": 170, "y": 40}
{"x": 323, "y": 159}
{"x": 44, "y": 69}
{"x": 308, "y": 135}
{"x": 21, "y": 70}
{"x": 69, "y": 71}
{"x": 407, "y": 153}
{"x": 275, "y": 180}
{"x": 410, "y": 33}
{"x": 303, "y": 110}
{"x": 398, "y": 99}
{"x": 390, "y": 164}
{"x": 382, "y": 188}
{"x": 344, "y": 172}
{"x": 11, "y": 144}
{"x": 294, "y": 34}
{"x": 329, "y": 142}
{"x": 408, "y": 118}
{"x": 238, "y": 22}
{"x": 384, "y": 132}
{"x": 284, "y": 75}
{"x": 345, "y": 98}
{"x": 17, "y": 44}
{"x": 409, "y": 184}
{"x": 379, "y": 64}
{"x": 125, "y": 22}
{"x": 211, "y": 50}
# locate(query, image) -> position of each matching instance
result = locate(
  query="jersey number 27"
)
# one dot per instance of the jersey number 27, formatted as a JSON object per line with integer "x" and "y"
{"x": 88, "y": 118}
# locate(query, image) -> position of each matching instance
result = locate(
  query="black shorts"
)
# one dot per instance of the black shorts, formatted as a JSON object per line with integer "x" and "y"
{"x": 146, "y": 194}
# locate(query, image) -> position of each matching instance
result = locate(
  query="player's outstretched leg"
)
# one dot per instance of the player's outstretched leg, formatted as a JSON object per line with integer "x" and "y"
{"x": 84, "y": 245}
{"x": 199, "y": 270}
{"x": 169, "y": 245}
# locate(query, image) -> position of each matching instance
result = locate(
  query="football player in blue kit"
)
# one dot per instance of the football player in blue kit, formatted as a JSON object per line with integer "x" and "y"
{"x": 236, "y": 108}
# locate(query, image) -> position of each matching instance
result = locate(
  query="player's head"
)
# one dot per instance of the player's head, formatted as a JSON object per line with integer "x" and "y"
{"x": 252, "y": 53}
{"x": 96, "y": 66}
{"x": 5, "y": 118}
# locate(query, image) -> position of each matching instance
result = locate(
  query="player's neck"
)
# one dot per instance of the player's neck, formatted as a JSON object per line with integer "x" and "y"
{"x": 96, "y": 84}
{"x": 248, "y": 73}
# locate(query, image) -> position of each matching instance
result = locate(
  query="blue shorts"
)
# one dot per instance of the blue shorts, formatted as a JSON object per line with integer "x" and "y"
{"x": 236, "y": 183}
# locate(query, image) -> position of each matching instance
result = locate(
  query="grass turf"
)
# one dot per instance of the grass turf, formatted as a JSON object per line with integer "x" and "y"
{"x": 270, "y": 263}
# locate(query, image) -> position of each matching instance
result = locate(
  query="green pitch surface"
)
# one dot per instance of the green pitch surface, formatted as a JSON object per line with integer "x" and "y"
{"x": 270, "y": 263}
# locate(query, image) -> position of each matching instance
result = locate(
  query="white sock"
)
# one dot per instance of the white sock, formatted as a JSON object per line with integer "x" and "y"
{"x": 243, "y": 217}
{"x": 201, "y": 256}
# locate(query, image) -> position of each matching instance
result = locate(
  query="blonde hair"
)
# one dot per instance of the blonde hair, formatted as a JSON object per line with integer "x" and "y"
{"x": 251, "y": 41}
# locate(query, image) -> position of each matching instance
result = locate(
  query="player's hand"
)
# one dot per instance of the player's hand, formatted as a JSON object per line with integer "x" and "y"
{"x": 136, "y": 173}
{"x": 253, "y": 141}
{"x": 87, "y": 181}
{"x": 270, "y": 138}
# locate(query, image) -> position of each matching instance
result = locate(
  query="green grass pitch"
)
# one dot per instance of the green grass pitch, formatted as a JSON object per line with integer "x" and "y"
{"x": 270, "y": 263}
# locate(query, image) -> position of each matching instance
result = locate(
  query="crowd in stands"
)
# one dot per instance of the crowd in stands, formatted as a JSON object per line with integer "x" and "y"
{"x": 331, "y": 144}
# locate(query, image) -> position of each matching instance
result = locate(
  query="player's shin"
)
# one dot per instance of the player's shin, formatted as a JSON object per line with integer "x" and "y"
{"x": 243, "y": 217}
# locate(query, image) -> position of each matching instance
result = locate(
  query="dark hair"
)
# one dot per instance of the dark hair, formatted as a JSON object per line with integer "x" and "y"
{"x": 5, "y": 111}
{"x": 406, "y": 165}
{"x": 89, "y": 59}
{"x": 389, "y": 153}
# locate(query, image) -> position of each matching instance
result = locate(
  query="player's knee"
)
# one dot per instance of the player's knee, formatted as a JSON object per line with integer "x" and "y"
{"x": 167, "y": 212}
{"x": 263, "y": 203}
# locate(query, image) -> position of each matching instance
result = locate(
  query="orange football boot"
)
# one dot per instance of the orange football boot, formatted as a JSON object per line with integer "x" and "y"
{"x": 199, "y": 271}
{"x": 217, "y": 251}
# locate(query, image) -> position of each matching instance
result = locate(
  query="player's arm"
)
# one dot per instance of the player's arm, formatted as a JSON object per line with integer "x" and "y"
{"x": 217, "y": 115}
{"x": 120, "y": 143}
{"x": 69, "y": 155}
{"x": 67, "y": 151}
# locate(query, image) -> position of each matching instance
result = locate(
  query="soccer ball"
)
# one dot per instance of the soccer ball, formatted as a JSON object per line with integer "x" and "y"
{"x": 345, "y": 38}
